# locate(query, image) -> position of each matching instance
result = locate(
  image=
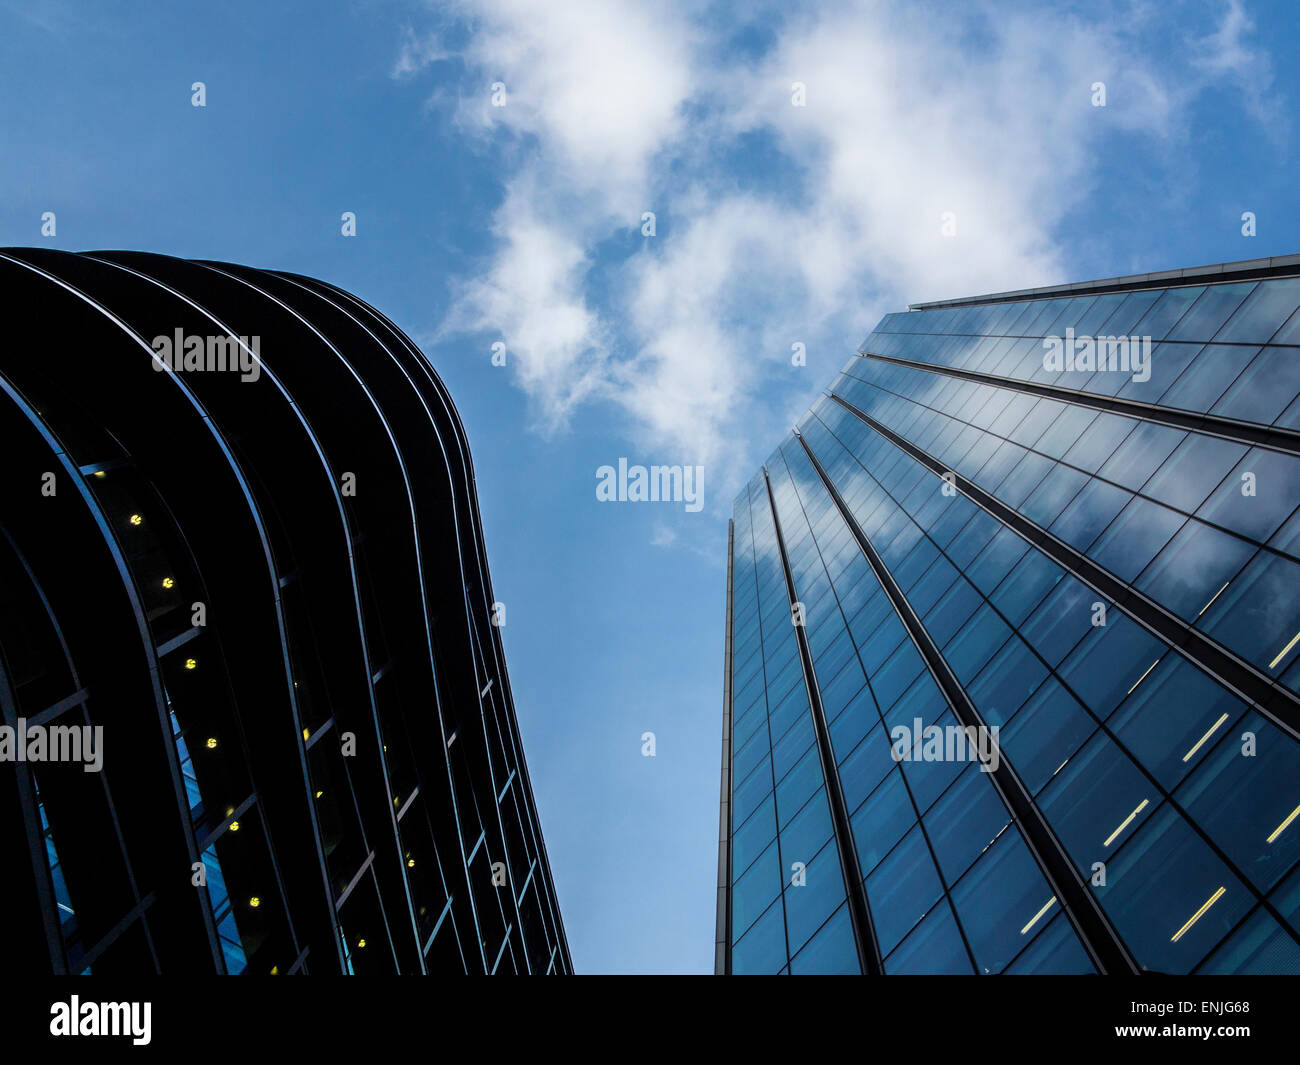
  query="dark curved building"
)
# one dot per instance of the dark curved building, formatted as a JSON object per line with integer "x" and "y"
{"x": 256, "y": 715}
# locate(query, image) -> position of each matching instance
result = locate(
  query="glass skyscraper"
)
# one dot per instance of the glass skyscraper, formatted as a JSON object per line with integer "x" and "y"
{"x": 240, "y": 544}
{"x": 1013, "y": 643}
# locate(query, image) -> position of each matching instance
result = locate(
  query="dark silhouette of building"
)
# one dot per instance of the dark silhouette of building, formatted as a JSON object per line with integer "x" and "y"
{"x": 1013, "y": 643}
{"x": 242, "y": 569}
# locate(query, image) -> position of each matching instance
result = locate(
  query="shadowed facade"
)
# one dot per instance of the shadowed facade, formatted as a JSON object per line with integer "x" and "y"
{"x": 269, "y": 591}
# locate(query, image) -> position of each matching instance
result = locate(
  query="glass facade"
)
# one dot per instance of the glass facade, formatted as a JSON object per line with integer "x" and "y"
{"x": 269, "y": 593}
{"x": 1063, "y": 526}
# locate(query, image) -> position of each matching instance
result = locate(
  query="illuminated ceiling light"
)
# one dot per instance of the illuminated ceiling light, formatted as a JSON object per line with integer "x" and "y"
{"x": 1212, "y": 729}
{"x": 361, "y": 943}
{"x": 234, "y": 826}
{"x": 1126, "y": 822}
{"x": 410, "y": 863}
{"x": 1197, "y": 915}
{"x": 211, "y": 743}
{"x": 1283, "y": 653}
{"x": 1282, "y": 827}
{"x": 1144, "y": 676}
{"x": 167, "y": 582}
{"x": 1212, "y": 599}
{"x": 137, "y": 519}
{"x": 255, "y": 902}
{"x": 1034, "y": 920}
{"x": 191, "y": 663}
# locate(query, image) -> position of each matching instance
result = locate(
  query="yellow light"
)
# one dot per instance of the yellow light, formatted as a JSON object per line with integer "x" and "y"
{"x": 191, "y": 663}
{"x": 1034, "y": 920}
{"x": 1198, "y": 914}
{"x": 275, "y": 970}
{"x": 229, "y": 810}
{"x": 1144, "y": 676}
{"x": 1282, "y": 827}
{"x": 1210, "y": 732}
{"x": 1285, "y": 650}
{"x": 319, "y": 794}
{"x": 211, "y": 743}
{"x": 137, "y": 519}
{"x": 255, "y": 902}
{"x": 1126, "y": 822}
{"x": 100, "y": 473}
{"x": 306, "y": 734}
{"x": 396, "y": 800}
{"x": 168, "y": 582}
{"x": 1213, "y": 598}
{"x": 234, "y": 826}
{"x": 410, "y": 863}
{"x": 361, "y": 943}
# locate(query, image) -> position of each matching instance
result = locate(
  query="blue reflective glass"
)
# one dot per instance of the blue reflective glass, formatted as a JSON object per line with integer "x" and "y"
{"x": 754, "y": 891}
{"x": 934, "y": 947}
{"x": 902, "y": 889}
{"x": 964, "y": 822}
{"x": 1174, "y": 718}
{"x": 1056, "y": 951}
{"x": 1246, "y": 796}
{"x": 882, "y": 821}
{"x": 1169, "y": 896}
{"x": 1097, "y": 801}
{"x": 812, "y": 895}
{"x": 831, "y": 951}
{"x": 1045, "y": 733}
{"x": 762, "y": 948}
{"x": 1003, "y": 902}
{"x": 1110, "y": 662}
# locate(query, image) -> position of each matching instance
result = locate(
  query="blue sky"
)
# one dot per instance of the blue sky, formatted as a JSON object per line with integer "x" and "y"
{"x": 774, "y": 225}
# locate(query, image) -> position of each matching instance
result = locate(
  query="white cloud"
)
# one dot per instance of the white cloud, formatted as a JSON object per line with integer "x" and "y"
{"x": 912, "y": 111}
{"x": 663, "y": 537}
{"x": 532, "y": 297}
{"x": 1227, "y": 54}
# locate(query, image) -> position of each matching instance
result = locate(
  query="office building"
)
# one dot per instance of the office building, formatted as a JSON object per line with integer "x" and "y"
{"x": 256, "y": 714}
{"x": 1013, "y": 643}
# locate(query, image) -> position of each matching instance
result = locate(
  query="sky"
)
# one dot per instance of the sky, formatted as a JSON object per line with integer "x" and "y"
{"x": 651, "y": 204}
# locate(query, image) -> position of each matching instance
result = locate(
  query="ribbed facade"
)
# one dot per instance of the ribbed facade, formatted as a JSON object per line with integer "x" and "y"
{"x": 262, "y": 582}
{"x": 1069, "y": 516}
